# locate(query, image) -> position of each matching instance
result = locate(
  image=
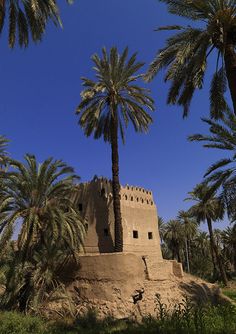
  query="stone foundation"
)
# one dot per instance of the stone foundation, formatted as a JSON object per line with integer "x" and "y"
{"x": 125, "y": 285}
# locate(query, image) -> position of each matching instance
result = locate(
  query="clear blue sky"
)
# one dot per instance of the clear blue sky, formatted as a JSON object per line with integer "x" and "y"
{"x": 40, "y": 89}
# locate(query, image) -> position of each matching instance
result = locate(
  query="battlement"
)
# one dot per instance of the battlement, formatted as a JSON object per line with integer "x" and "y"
{"x": 139, "y": 218}
{"x": 136, "y": 189}
{"x": 136, "y": 195}
{"x": 128, "y": 193}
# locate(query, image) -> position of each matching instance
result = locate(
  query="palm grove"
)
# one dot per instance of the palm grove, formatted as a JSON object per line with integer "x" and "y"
{"x": 38, "y": 196}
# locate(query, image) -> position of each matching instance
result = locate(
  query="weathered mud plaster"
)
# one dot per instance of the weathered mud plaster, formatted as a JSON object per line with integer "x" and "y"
{"x": 116, "y": 284}
{"x": 125, "y": 284}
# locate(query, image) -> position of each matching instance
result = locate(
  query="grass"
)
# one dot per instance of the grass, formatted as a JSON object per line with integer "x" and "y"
{"x": 231, "y": 290}
{"x": 231, "y": 293}
{"x": 185, "y": 318}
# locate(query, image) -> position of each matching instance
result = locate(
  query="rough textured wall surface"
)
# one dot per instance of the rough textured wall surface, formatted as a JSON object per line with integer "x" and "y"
{"x": 139, "y": 218}
{"x": 120, "y": 285}
{"x": 126, "y": 284}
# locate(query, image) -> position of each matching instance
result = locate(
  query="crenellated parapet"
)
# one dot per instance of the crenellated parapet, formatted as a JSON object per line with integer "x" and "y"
{"x": 136, "y": 195}
{"x": 130, "y": 195}
{"x": 139, "y": 218}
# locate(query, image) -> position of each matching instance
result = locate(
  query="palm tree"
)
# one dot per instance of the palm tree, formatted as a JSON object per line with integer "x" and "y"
{"x": 174, "y": 237}
{"x": 4, "y": 159}
{"x": 189, "y": 230}
{"x": 108, "y": 104}
{"x": 186, "y": 53}
{"x": 218, "y": 238}
{"x": 34, "y": 283}
{"x": 3, "y": 153}
{"x": 208, "y": 208}
{"x": 26, "y": 18}
{"x": 161, "y": 227}
{"x": 201, "y": 260}
{"x": 221, "y": 174}
{"x": 202, "y": 243}
{"x": 38, "y": 196}
{"x": 229, "y": 241}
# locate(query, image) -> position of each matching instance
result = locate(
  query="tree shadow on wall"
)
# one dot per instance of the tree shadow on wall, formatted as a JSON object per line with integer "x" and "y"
{"x": 95, "y": 211}
{"x": 201, "y": 293}
{"x": 105, "y": 242}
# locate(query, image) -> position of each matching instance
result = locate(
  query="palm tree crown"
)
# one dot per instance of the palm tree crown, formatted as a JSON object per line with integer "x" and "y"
{"x": 174, "y": 237}
{"x": 186, "y": 53}
{"x": 114, "y": 94}
{"x": 223, "y": 172}
{"x": 189, "y": 224}
{"x": 39, "y": 197}
{"x": 3, "y": 153}
{"x": 208, "y": 208}
{"x": 27, "y": 18}
{"x": 202, "y": 243}
{"x": 189, "y": 227}
{"x": 229, "y": 241}
{"x": 107, "y": 106}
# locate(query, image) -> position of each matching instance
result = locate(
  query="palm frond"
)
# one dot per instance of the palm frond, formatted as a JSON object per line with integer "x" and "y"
{"x": 174, "y": 27}
{"x": 115, "y": 89}
{"x": 218, "y": 104}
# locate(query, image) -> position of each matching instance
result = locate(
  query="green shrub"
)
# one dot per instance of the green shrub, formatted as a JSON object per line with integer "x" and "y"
{"x": 16, "y": 323}
{"x": 231, "y": 294}
{"x": 184, "y": 318}
{"x": 189, "y": 318}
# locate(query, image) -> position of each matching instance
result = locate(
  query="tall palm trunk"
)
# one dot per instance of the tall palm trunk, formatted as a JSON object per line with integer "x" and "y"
{"x": 215, "y": 251}
{"x": 215, "y": 271}
{"x": 189, "y": 251}
{"x": 234, "y": 247}
{"x": 187, "y": 254}
{"x": 234, "y": 256}
{"x": 116, "y": 185}
{"x": 230, "y": 66}
{"x": 178, "y": 252}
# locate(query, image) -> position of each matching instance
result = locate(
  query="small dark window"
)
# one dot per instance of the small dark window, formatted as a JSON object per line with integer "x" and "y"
{"x": 106, "y": 232}
{"x": 103, "y": 192}
{"x": 132, "y": 198}
{"x": 80, "y": 207}
{"x": 150, "y": 236}
{"x": 137, "y": 199}
{"x": 126, "y": 197}
{"x": 135, "y": 234}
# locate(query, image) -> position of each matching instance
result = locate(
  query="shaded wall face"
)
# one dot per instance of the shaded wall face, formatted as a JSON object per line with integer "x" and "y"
{"x": 139, "y": 219}
{"x": 95, "y": 205}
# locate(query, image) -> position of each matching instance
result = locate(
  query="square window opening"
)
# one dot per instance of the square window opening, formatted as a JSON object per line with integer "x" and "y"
{"x": 135, "y": 234}
{"x": 80, "y": 207}
{"x": 150, "y": 235}
{"x": 106, "y": 232}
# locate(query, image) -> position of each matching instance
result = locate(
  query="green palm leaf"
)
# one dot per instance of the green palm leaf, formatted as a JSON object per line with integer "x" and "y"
{"x": 221, "y": 174}
{"x": 39, "y": 196}
{"x": 186, "y": 53}
{"x": 108, "y": 104}
{"x": 28, "y": 19}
